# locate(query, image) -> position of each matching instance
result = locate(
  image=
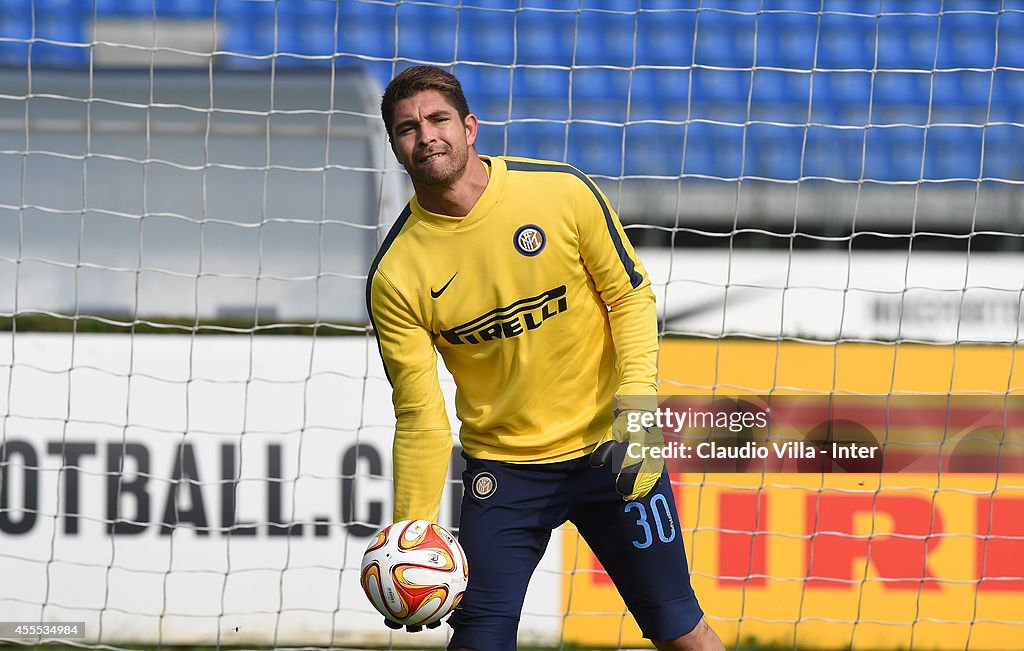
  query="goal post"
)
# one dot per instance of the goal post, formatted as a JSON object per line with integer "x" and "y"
{"x": 828, "y": 198}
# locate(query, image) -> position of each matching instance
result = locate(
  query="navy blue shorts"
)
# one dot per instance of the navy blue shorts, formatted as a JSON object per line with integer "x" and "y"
{"x": 508, "y": 513}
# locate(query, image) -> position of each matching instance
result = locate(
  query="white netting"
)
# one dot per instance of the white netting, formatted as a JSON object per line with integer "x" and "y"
{"x": 828, "y": 196}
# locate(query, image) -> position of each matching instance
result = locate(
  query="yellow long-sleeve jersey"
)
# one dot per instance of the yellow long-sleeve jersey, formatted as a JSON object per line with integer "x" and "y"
{"x": 540, "y": 309}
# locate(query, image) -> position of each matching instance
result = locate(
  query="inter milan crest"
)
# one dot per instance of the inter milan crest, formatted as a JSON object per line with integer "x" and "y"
{"x": 529, "y": 240}
{"x": 484, "y": 485}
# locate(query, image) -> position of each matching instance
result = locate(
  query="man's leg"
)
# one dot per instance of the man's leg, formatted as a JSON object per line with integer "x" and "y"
{"x": 640, "y": 545}
{"x": 508, "y": 512}
{"x": 701, "y": 638}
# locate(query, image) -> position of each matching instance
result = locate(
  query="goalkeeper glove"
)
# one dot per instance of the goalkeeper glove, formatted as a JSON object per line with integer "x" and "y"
{"x": 627, "y": 447}
{"x": 412, "y": 629}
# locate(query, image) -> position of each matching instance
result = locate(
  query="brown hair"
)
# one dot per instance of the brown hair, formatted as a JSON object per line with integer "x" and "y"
{"x": 418, "y": 79}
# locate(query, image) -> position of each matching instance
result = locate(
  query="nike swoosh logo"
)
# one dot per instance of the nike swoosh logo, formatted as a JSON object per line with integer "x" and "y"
{"x": 438, "y": 293}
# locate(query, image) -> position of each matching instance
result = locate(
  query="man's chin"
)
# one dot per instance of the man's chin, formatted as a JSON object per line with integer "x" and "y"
{"x": 438, "y": 177}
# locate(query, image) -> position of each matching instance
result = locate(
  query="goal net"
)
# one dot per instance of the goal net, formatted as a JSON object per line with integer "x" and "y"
{"x": 195, "y": 426}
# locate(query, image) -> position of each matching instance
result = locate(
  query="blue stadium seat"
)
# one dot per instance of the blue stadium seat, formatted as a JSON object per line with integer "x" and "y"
{"x": 605, "y": 39}
{"x": 15, "y": 25}
{"x": 823, "y": 112}
{"x": 58, "y": 23}
{"x": 698, "y": 155}
{"x": 358, "y": 10}
{"x": 786, "y": 40}
{"x": 953, "y": 152}
{"x": 547, "y": 108}
{"x": 1008, "y": 88}
{"x": 69, "y": 10}
{"x": 961, "y": 88}
{"x": 766, "y": 45}
{"x": 564, "y": 5}
{"x": 657, "y": 5}
{"x": 746, "y": 6}
{"x": 544, "y": 37}
{"x": 781, "y": 87}
{"x": 541, "y": 82}
{"x": 842, "y": 88}
{"x": 612, "y": 5}
{"x": 1010, "y": 37}
{"x": 187, "y": 8}
{"x": 491, "y": 4}
{"x": 490, "y": 140}
{"x": 483, "y": 84}
{"x": 806, "y": 6}
{"x": 536, "y": 140}
{"x": 253, "y": 35}
{"x": 654, "y": 149}
{"x": 714, "y": 150}
{"x": 58, "y": 27}
{"x": 600, "y": 84}
{"x": 496, "y": 109}
{"x": 605, "y": 110}
{"x": 486, "y": 36}
{"x": 782, "y": 112}
{"x": 665, "y": 38}
{"x": 968, "y": 5}
{"x": 728, "y": 151}
{"x": 903, "y": 149}
{"x": 733, "y": 112}
{"x": 835, "y": 153}
{"x": 903, "y": 88}
{"x": 846, "y": 42}
{"x": 773, "y": 151}
{"x": 66, "y": 30}
{"x": 847, "y": 7}
{"x": 908, "y": 7}
{"x": 426, "y": 36}
{"x": 596, "y": 149}
{"x": 1003, "y": 144}
{"x": 644, "y": 90}
{"x": 322, "y": 9}
{"x": 298, "y": 34}
{"x": 906, "y": 42}
{"x": 961, "y": 113}
{"x": 967, "y": 40}
{"x": 660, "y": 85}
{"x": 721, "y": 85}
{"x": 125, "y": 7}
{"x": 725, "y": 39}
{"x": 656, "y": 94}
{"x": 369, "y": 35}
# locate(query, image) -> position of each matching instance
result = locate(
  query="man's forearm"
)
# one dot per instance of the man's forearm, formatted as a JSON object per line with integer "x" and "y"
{"x": 420, "y": 471}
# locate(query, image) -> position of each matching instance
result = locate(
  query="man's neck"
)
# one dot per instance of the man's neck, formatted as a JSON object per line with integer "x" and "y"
{"x": 457, "y": 199}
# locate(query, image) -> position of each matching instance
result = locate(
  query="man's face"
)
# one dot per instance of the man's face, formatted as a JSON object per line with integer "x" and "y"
{"x": 430, "y": 139}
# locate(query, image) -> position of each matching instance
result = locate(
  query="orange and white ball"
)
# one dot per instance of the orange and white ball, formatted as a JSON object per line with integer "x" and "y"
{"x": 414, "y": 572}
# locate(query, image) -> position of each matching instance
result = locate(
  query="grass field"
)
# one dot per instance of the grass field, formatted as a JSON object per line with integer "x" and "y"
{"x": 748, "y": 644}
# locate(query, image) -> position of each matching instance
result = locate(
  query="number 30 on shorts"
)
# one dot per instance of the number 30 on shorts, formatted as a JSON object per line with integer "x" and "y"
{"x": 660, "y": 514}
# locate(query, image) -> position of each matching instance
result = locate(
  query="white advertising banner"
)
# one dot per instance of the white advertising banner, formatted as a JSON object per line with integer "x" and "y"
{"x": 210, "y": 489}
{"x": 832, "y": 295}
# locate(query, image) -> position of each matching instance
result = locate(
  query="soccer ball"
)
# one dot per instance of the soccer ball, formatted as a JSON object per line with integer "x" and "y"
{"x": 414, "y": 572}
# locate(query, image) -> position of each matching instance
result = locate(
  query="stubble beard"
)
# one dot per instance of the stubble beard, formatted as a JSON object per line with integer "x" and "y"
{"x": 443, "y": 175}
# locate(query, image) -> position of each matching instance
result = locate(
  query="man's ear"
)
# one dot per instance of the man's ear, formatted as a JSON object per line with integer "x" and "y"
{"x": 472, "y": 126}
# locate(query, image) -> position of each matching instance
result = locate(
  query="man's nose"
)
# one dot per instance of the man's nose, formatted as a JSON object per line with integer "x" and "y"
{"x": 428, "y": 133}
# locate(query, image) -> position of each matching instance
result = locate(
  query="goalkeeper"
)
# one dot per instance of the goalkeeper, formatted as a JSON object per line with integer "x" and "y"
{"x": 519, "y": 273}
